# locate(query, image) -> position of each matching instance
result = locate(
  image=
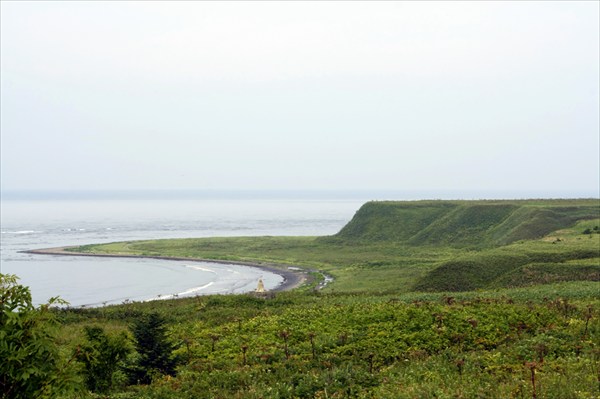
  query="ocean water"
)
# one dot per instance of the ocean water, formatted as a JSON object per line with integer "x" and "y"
{"x": 44, "y": 223}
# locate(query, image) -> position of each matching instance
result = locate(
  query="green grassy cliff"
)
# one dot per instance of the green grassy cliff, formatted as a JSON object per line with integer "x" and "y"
{"x": 502, "y": 241}
{"x": 464, "y": 223}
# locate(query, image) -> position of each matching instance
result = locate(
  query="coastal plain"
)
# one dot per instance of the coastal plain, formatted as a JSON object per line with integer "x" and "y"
{"x": 419, "y": 246}
{"x": 429, "y": 299}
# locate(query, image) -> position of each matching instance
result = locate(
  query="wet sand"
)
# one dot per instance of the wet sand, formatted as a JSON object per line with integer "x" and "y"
{"x": 291, "y": 279}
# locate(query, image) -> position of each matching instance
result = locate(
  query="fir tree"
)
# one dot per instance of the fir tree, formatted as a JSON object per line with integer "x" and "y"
{"x": 154, "y": 349}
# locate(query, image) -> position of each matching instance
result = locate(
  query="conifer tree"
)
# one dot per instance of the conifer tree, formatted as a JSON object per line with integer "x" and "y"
{"x": 154, "y": 349}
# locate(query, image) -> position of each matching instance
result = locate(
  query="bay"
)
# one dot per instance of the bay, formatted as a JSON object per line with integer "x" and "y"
{"x": 44, "y": 223}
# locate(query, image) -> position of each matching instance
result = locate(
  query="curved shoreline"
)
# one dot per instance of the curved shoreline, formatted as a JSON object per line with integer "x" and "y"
{"x": 291, "y": 279}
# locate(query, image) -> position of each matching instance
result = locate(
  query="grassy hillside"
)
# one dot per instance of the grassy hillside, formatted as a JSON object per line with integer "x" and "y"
{"x": 464, "y": 223}
{"x": 393, "y": 221}
{"x": 565, "y": 255}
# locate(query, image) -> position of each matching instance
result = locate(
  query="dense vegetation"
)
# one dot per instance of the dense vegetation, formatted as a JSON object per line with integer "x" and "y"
{"x": 31, "y": 364}
{"x": 497, "y": 344}
{"x": 412, "y": 313}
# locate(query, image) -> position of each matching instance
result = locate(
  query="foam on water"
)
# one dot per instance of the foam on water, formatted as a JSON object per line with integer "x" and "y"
{"x": 21, "y": 232}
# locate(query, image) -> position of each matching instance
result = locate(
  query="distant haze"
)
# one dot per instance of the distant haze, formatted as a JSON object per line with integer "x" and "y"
{"x": 477, "y": 97}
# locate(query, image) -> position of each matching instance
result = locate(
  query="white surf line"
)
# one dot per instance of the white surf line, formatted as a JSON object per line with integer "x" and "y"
{"x": 22, "y": 232}
{"x": 200, "y": 268}
{"x": 196, "y": 289}
{"x": 187, "y": 292}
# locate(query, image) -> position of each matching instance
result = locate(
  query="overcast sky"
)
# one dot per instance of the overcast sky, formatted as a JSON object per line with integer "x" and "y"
{"x": 300, "y": 95}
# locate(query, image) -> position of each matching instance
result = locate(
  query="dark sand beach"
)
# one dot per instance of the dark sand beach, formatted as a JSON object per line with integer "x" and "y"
{"x": 291, "y": 279}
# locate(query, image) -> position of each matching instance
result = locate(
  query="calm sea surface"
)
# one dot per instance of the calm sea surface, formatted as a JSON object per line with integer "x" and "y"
{"x": 39, "y": 223}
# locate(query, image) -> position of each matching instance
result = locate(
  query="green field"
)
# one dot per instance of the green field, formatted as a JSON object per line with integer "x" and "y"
{"x": 430, "y": 299}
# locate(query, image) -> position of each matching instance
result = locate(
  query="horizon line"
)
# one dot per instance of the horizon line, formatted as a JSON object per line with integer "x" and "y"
{"x": 287, "y": 193}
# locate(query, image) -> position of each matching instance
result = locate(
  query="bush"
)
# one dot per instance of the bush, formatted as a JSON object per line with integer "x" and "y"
{"x": 101, "y": 356}
{"x": 31, "y": 366}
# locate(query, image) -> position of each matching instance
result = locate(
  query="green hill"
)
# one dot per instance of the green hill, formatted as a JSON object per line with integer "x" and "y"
{"x": 463, "y": 223}
{"x": 500, "y": 240}
{"x": 512, "y": 266}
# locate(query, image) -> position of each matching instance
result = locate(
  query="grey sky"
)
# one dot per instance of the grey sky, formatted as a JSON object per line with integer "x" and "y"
{"x": 290, "y": 95}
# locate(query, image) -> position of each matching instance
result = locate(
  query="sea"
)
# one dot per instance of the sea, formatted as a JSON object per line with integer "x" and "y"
{"x": 46, "y": 220}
